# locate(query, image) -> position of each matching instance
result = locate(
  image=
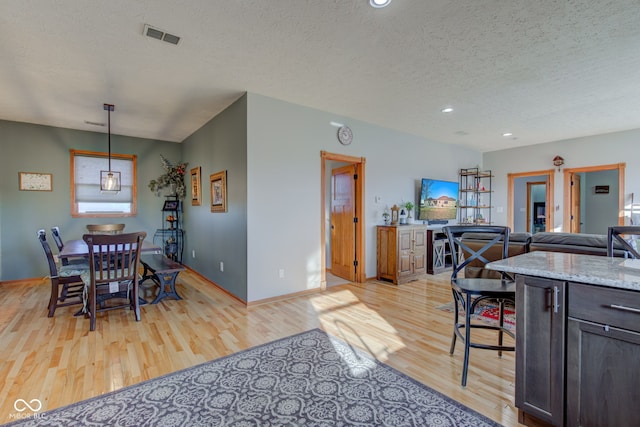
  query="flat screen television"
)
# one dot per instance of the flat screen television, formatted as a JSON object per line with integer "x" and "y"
{"x": 438, "y": 200}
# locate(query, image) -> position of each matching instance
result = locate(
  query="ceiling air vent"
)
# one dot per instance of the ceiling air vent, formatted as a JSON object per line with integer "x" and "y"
{"x": 158, "y": 34}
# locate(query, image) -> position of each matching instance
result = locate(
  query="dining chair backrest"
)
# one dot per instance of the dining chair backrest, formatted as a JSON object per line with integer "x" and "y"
{"x": 66, "y": 284}
{"x": 494, "y": 247}
{"x": 55, "y": 232}
{"x": 115, "y": 256}
{"x": 625, "y": 236}
{"x": 113, "y": 262}
{"x": 105, "y": 228}
{"x": 53, "y": 269}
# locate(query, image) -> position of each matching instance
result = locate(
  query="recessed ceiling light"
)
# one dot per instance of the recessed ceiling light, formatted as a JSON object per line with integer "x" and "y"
{"x": 379, "y": 3}
{"x": 507, "y": 134}
{"x": 447, "y": 110}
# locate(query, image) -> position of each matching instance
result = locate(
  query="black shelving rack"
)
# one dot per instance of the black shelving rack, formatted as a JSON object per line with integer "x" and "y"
{"x": 171, "y": 235}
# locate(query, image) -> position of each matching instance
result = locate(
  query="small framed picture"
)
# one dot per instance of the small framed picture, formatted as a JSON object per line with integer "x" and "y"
{"x": 196, "y": 191}
{"x": 35, "y": 181}
{"x": 170, "y": 205}
{"x": 218, "y": 190}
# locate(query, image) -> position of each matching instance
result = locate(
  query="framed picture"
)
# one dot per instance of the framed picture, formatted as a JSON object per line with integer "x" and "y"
{"x": 196, "y": 189}
{"x": 170, "y": 205}
{"x": 218, "y": 191}
{"x": 34, "y": 181}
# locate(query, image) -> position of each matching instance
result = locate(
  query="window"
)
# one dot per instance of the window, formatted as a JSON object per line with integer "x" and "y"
{"x": 86, "y": 198}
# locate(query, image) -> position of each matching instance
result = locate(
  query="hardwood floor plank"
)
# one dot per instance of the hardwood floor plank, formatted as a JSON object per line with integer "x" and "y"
{"x": 58, "y": 361}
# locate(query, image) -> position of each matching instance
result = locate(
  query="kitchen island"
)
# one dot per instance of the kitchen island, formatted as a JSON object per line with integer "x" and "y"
{"x": 577, "y": 338}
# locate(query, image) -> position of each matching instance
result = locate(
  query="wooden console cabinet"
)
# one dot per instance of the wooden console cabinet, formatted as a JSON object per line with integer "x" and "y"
{"x": 402, "y": 255}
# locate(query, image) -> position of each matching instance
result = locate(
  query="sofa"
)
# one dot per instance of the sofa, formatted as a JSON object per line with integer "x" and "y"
{"x": 576, "y": 243}
{"x": 519, "y": 243}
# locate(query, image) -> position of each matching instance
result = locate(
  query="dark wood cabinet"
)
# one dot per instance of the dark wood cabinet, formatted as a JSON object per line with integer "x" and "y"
{"x": 603, "y": 356}
{"x": 401, "y": 253}
{"x": 540, "y": 338}
{"x": 578, "y": 353}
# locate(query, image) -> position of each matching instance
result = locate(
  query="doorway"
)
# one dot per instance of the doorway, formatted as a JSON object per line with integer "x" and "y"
{"x": 593, "y": 198}
{"x": 536, "y": 206}
{"x": 357, "y": 221}
{"x": 519, "y": 209}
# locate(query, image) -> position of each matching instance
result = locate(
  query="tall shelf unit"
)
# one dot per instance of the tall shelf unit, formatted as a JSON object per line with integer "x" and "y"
{"x": 171, "y": 236}
{"x": 474, "y": 204}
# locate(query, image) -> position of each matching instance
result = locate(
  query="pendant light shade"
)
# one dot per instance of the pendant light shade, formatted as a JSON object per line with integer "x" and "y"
{"x": 109, "y": 180}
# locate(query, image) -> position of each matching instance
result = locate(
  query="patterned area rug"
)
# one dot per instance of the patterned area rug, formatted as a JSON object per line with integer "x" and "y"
{"x": 309, "y": 379}
{"x": 487, "y": 312}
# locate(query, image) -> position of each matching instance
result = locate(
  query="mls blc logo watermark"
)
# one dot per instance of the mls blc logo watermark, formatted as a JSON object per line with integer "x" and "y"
{"x": 27, "y": 409}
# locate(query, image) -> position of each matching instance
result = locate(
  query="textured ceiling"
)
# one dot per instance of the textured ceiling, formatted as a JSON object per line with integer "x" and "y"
{"x": 544, "y": 70}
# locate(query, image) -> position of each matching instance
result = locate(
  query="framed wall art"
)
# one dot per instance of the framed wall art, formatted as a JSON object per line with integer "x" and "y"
{"x": 35, "y": 181}
{"x": 218, "y": 189}
{"x": 196, "y": 189}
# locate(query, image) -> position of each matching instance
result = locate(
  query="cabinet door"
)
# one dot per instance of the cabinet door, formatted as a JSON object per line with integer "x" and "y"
{"x": 603, "y": 369}
{"x": 386, "y": 253}
{"x": 405, "y": 256}
{"x": 420, "y": 251}
{"x": 540, "y": 333}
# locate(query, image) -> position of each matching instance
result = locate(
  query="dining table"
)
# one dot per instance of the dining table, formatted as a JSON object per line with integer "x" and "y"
{"x": 78, "y": 248}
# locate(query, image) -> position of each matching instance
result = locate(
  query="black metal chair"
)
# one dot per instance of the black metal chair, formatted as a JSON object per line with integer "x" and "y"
{"x": 66, "y": 281}
{"x": 616, "y": 240}
{"x": 113, "y": 272}
{"x": 469, "y": 291}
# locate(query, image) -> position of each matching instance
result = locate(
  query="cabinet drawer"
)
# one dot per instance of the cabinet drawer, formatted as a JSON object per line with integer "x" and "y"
{"x": 607, "y": 306}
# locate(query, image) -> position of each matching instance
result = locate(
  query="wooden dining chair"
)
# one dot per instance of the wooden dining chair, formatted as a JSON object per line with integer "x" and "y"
{"x": 113, "y": 273}
{"x": 105, "y": 228}
{"x": 469, "y": 291}
{"x": 66, "y": 282}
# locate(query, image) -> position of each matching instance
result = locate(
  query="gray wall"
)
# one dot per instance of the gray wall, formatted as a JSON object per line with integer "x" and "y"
{"x": 601, "y": 210}
{"x": 34, "y": 148}
{"x": 612, "y": 148}
{"x": 221, "y": 144}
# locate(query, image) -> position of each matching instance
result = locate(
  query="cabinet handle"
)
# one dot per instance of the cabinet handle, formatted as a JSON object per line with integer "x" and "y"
{"x": 556, "y": 304}
{"x": 624, "y": 308}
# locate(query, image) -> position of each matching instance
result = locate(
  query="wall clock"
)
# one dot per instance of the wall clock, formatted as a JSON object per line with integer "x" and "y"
{"x": 345, "y": 135}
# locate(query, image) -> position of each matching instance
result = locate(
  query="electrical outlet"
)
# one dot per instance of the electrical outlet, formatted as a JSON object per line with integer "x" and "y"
{"x": 281, "y": 273}
{"x": 221, "y": 266}
{"x": 193, "y": 253}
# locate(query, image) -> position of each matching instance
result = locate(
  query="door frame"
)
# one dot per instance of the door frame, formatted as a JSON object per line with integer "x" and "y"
{"x": 566, "y": 223}
{"x": 359, "y": 163}
{"x": 511, "y": 177}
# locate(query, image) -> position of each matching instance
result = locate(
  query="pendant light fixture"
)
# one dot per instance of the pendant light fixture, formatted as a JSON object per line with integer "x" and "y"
{"x": 109, "y": 180}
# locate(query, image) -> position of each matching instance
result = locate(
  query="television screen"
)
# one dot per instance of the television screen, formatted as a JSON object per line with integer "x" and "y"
{"x": 438, "y": 200}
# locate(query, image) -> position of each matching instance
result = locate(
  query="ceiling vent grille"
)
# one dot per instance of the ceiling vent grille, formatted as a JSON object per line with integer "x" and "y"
{"x": 158, "y": 34}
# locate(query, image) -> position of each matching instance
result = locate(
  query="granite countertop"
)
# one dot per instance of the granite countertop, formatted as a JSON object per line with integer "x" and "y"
{"x": 591, "y": 269}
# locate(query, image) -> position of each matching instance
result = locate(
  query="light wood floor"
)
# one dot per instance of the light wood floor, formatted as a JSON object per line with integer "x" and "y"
{"x": 58, "y": 361}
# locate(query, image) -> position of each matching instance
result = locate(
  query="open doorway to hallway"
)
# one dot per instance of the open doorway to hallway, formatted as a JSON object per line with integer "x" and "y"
{"x": 593, "y": 198}
{"x": 530, "y": 201}
{"x": 342, "y": 219}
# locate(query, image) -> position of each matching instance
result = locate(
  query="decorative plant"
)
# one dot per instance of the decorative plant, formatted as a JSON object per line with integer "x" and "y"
{"x": 409, "y": 206}
{"x": 173, "y": 175}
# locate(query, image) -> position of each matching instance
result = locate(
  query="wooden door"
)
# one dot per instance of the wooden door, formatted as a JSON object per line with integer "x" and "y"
{"x": 343, "y": 214}
{"x": 575, "y": 203}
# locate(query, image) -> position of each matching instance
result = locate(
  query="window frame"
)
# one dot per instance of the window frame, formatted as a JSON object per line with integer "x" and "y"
{"x": 134, "y": 188}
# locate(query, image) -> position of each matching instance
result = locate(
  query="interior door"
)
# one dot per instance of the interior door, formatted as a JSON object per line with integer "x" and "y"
{"x": 343, "y": 214}
{"x": 575, "y": 203}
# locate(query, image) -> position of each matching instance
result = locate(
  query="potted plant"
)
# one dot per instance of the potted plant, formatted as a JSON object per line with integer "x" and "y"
{"x": 409, "y": 206}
